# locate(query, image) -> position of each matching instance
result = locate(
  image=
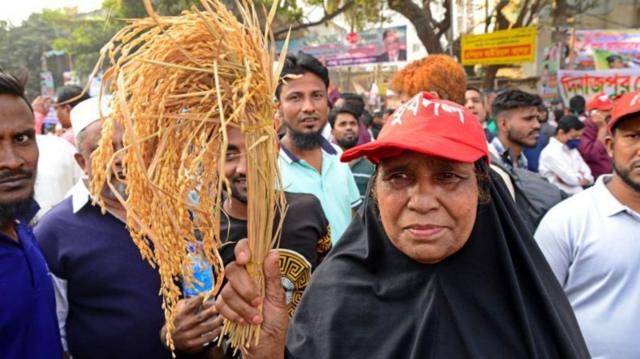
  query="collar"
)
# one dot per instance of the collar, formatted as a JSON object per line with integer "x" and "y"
{"x": 506, "y": 155}
{"x": 605, "y": 199}
{"x": 356, "y": 162}
{"x": 27, "y": 215}
{"x": 325, "y": 145}
{"x": 554, "y": 142}
{"x": 80, "y": 196}
{"x": 497, "y": 144}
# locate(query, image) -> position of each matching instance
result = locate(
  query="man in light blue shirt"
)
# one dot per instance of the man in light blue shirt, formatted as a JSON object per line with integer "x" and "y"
{"x": 592, "y": 243}
{"x": 308, "y": 163}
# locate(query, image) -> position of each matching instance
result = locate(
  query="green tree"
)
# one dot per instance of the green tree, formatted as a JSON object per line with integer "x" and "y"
{"x": 22, "y": 48}
{"x": 85, "y": 42}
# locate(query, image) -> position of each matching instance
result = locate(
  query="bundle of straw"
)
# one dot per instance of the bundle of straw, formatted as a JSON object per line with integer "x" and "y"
{"x": 177, "y": 84}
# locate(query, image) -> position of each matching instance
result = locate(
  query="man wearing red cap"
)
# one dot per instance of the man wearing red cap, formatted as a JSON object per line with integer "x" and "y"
{"x": 592, "y": 242}
{"x": 592, "y": 146}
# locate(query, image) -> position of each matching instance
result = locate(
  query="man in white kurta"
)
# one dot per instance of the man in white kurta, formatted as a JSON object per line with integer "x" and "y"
{"x": 561, "y": 162}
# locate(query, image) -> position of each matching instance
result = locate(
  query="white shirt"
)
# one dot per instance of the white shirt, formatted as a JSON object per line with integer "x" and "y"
{"x": 592, "y": 243}
{"x": 57, "y": 172}
{"x": 564, "y": 167}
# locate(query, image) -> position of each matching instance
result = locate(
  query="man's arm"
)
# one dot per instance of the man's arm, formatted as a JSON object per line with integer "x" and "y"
{"x": 62, "y": 307}
{"x": 592, "y": 141}
{"x": 561, "y": 169}
{"x": 586, "y": 171}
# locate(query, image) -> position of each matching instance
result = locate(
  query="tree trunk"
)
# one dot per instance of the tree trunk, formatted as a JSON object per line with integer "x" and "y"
{"x": 501, "y": 23}
{"x": 490, "y": 77}
{"x": 281, "y": 34}
{"x": 428, "y": 38}
{"x": 421, "y": 19}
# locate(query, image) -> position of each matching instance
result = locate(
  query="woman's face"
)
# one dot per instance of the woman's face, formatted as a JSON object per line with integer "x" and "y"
{"x": 427, "y": 204}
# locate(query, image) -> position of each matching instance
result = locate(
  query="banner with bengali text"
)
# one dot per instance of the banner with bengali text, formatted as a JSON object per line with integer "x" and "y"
{"x": 589, "y": 83}
{"x": 513, "y": 46}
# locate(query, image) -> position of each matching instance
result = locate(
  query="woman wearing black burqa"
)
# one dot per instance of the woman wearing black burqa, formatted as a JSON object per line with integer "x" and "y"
{"x": 437, "y": 264}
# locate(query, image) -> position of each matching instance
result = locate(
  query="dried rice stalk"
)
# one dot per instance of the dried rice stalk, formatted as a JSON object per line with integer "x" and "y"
{"x": 178, "y": 82}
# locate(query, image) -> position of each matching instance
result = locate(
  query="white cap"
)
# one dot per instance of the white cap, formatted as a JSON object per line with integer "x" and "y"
{"x": 88, "y": 112}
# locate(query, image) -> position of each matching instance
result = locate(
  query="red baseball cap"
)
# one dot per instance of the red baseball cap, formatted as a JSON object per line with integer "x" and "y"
{"x": 600, "y": 102}
{"x": 627, "y": 104}
{"x": 428, "y": 126}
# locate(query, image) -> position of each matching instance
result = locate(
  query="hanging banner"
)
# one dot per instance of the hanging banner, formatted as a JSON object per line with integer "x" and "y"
{"x": 513, "y": 46}
{"x": 548, "y": 85}
{"x": 605, "y": 49}
{"x": 589, "y": 83}
{"x": 354, "y": 48}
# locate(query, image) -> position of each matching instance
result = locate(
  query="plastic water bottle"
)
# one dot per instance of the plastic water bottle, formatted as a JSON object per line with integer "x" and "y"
{"x": 202, "y": 272}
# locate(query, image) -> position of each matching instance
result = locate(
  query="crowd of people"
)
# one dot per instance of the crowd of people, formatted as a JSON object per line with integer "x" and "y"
{"x": 458, "y": 223}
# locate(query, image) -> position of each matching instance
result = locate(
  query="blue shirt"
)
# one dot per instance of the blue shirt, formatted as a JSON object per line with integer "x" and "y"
{"x": 334, "y": 186}
{"x": 532, "y": 154}
{"x": 28, "y": 326}
{"x": 114, "y": 309}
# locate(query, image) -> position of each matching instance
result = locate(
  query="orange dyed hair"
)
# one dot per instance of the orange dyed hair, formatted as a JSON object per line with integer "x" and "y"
{"x": 437, "y": 73}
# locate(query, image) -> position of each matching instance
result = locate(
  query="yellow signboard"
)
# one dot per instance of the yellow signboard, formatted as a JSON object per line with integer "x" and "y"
{"x": 513, "y": 46}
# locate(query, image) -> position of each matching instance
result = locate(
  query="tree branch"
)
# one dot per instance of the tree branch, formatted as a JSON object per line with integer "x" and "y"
{"x": 522, "y": 14}
{"x": 327, "y": 17}
{"x": 444, "y": 25}
{"x": 535, "y": 9}
{"x": 426, "y": 10}
{"x": 421, "y": 19}
{"x": 502, "y": 22}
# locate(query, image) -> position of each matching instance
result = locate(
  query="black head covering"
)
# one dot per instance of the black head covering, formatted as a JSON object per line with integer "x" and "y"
{"x": 495, "y": 298}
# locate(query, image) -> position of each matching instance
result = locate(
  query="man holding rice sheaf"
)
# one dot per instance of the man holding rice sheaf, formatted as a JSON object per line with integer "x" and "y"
{"x": 305, "y": 241}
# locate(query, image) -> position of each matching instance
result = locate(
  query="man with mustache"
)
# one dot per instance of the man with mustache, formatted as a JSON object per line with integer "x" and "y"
{"x": 356, "y": 103}
{"x": 106, "y": 294}
{"x": 345, "y": 130}
{"x": 592, "y": 243}
{"x": 517, "y": 117}
{"x": 308, "y": 162}
{"x": 28, "y": 327}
